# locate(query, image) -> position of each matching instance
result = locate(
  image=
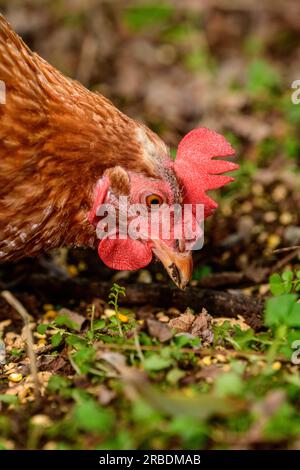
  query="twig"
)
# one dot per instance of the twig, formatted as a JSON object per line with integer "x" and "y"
{"x": 198, "y": 352}
{"x": 284, "y": 261}
{"x": 138, "y": 346}
{"x": 74, "y": 365}
{"x": 13, "y": 302}
{"x": 92, "y": 319}
{"x": 287, "y": 248}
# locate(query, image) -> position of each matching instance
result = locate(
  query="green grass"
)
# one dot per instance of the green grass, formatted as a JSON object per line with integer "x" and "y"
{"x": 179, "y": 394}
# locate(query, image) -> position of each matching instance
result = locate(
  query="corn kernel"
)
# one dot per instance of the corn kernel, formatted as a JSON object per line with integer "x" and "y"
{"x": 206, "y": 360}
{"x": 72, "y": 270}
{"x": 50, "y": 314}
{"x": 41, "y": 421}
{"x": 123, "y": 318}
{"x": 15, "y": 377}
{"x": 220, "y": 358}
{"x": 276, "y": 365}
{"x": 273, "y": 241}
{"x": 286, "y": 218}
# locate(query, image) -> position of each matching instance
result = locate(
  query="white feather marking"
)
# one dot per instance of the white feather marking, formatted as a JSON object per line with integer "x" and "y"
{"x": 23, "y": 236}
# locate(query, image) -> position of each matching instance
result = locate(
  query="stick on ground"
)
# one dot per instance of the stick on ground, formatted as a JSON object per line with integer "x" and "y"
{"x": 218, "y": 302}
{"x": 11, "y": 300}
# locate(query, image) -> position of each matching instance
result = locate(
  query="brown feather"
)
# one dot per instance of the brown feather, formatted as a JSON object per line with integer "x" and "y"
{"x": 56, "y": 140}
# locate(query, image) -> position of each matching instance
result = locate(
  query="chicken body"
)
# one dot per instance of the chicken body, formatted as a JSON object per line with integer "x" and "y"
{"x": 56, "y": 140}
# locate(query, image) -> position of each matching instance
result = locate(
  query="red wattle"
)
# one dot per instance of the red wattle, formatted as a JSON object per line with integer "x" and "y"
{"x": 124, "y": 254}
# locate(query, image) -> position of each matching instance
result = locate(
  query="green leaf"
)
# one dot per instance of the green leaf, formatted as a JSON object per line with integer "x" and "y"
{"x": 282, "y": 424}
{"x": 293, "y": 318}
{"x": 139, "y": 17}
{"x": 291, "y": 146}
{"x": 185, "y": 340}
{"x": 57, "y": 383}
{"x": 84, "y": 358}
{"x": 276, "y": 285}
{"x": 292, "y": 112}
{"x": 287, "y": 277}
{"x": 192, "y": 432}
{"x": 89, "y": 416}
{"x": 229, "y": 384}
{"x": 63, "y": 320}
{"x": 56, "y": 339}
{"x": 99, "y": 325}
{"x": 157, "y": 362}
{"x": 9, "y": 399}
{"x": 17, "y": 352}
{"x": 76, "y": 341}
{"x": 144, "y": 413}
{"x": 243, "y": 337}
{"x": 41, "y": 329}
{"x": 262, "y": 76}
{"x": 174, "y": 375}
{"x": 201, "y": 271}
{"x": 278, "y": 309}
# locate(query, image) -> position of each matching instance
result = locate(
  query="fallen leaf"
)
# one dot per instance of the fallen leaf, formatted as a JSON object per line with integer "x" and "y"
{"x": 159, "y": 330}
{"x": 184, "y": 322}
{"x": 199, "y": 326}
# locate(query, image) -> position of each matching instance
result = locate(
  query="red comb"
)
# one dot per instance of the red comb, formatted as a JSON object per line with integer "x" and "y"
{"x": 196, "y": 167}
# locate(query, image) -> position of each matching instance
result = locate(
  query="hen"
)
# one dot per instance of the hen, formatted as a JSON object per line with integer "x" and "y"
{"x": 66, "y": 151}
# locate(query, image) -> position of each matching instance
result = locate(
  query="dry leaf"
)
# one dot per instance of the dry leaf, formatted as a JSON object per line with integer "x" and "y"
{"x": 159, "y": 330}
{"x": 199, "y": 326}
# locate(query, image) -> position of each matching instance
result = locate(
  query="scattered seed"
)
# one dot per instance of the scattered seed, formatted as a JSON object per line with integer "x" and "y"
{"x": 164, "y": 319}
{"x": 270, "y": 216}
{"x": 286, "y": 218}
{"x": 206, "y": 360}
{"x": 279, "y": 193}
{"x": 123, "y": 318}
{"x": 72, "y": 270}
{"x": 41, "y": 421}
{"x": 276, "y": 365}
{"x": 220, "y": 358}
{"x": 273, "y": 241}
{"x": 109, "y": 312}
{"x": 50, "y": 314}
{"x": 15, "y": 377}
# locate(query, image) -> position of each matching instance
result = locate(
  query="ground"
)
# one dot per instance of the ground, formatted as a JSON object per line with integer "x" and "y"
{"x": 143, "y": 365}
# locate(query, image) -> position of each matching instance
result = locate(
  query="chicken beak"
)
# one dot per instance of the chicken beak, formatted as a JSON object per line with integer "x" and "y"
{"x": 179, "y": 265}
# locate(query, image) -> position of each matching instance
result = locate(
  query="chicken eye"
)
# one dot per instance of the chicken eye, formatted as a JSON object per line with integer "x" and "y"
{"x": 154, "y": 200}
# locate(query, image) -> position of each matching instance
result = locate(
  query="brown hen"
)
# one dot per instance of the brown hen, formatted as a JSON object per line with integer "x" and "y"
{"x": 65, "y": 151}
